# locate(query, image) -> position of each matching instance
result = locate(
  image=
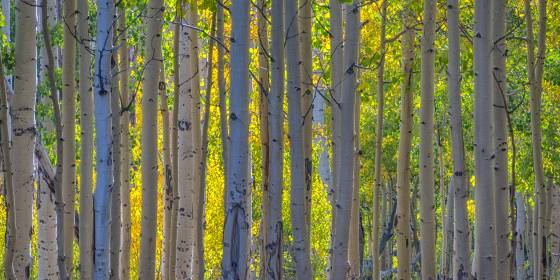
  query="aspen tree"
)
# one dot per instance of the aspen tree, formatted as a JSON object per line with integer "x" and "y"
{"x": 485, "y": 228}
{"x": 167, "y": 178}
{"x": 116, "y": 205}
{"x": 499, "y": 87}
{"x": 146, "y": 260}
{"x": 297, "y": 160}
{"x": 354, "y": 245}
{"x": 103, "y": 123}
{"x": 125, "y": 151}
{"x": 86, "y": 149}
{"x": 264, "y": 89}
{"x": 204, "y": 151}
{"x": 236, "y": 245}
{"x": 8, "y": 175}
{"x": 460, "y": 195}
{"x": 426, "y": 158}
{"x": 379, "y": 142}
{"x": 69, "y": 129}
{"x": 24, "y": 133}
{"x": 274, "y": 225}
{"x": 520, "y": 229}
{"x": 186, "y": 164}
{"x": 343, "y": 198}
{"x": 405, "y": 139}
{"x": 224, "y": 134}
{"x": 305, "y": 36}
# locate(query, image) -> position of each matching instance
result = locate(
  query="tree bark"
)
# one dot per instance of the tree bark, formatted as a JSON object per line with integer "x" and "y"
{"x": 103, "y": 122}
{"x": 297, "y": 156}
{"x": 224, "y": 134}
{"x": 485, "y": 229}
{"x": 274, "y": 225}
{"x": 354, "y": 251}
{"x": 499, "y": 55}
{"x": 47, "y": 250}
{"x": 24, "y": 133}
{"x": 405, "y": 139}
{"x": 86, "y": 149}
{"x": 236, "y": 245}
{"x": 146, "y": 262}
{"x": 343, "y": 198}
{"x": 124, "y": 67}
{"x": 520, "y": 229}
{"x": 426, "y": 157}
{"x": 69, "y": 130}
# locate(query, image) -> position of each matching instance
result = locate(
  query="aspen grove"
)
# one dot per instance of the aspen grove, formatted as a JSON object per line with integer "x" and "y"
{"x": 280, "y": 139}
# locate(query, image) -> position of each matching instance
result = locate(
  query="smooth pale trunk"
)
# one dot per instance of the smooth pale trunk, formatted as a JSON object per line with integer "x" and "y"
{"x": 103, "y": 123}
{"x": 555, "y": 227}
{"x": 354, "y": 231}
{"x": 345, "y": 179}
{"x": 485, "y": 222}
{"x": 461, "y": 227}
{"x": 224, "y": 134}
{"x": 167, "y": 179}
{"x": 520, "y": 238}
{"x": 24, "y": 133}
{"x": 86, "y": 147}
{"x": 274, "y": 225}
{"x": 499, "y": 54}
{"x": 426, "y": 157}
{"x": 297, "y": 156}
{"x": 147, "y": 258}
{"x": 124, "y": 67}
{"x": 69, "y": 130}
{"x": 46, "y": 237}
{"x": 236, "y": 245}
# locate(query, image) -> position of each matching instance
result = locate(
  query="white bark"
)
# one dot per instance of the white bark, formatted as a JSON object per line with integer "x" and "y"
{"x": 24, "y": 133}
{"x": 485, "y": 229}
{"x": 520, "y": 238}
{"x": 147, "y": 258}
{"x": 46, "y": 236}
{"x": 86, "y": 155}
{"x": 426, "y": 157}
{"x": 274, "y": 225}
{"x": 104, "y": 170}
{"x": 236, "y": 245}
{"x": 343, "y": 198}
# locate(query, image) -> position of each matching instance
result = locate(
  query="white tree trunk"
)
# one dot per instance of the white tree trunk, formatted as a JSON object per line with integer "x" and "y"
{"x": 103, "y": 123}
{"x": 24, "y": 133}
{"x": 274, "y": 225}
{"x": 520, "y": 238}
{"x": 343, "y": 198}
{"x": 403, "y": 162}
{"x": 47, "y": 248}
{"x": 485, "y": 229}
{"x": 153, "y": 67}
{"x": 236, "y": 245}
{"x": 426, "y": 157}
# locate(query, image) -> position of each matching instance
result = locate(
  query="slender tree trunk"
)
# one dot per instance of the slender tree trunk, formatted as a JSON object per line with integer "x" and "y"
{"x": 104, "y": 170}
{"x": 305, "y": 16}
{"x": 460, "y": 195}
{"x": 405, "y": 139}
{"x": 7, "y": 157}
{"x": 448, "y": 233}
{"x": 535, "y": 69}
{"x": 354, "y": 230}
{"x": 264, "y": 89}
{"x": 499, "y": 54}
{"x": 59, "y": 204}
{"x": 86, "y": 149}
{"x": 224, "y": 134}
{"x": 69, "y": 130}
{"x": 336, "y": 55}
{"x": 146, "y": 262}
{"x": 379, "y": 142}
{"x": 24, "y": 134}
{"x": 167, "y": 178}
{"x": 116, "y": 204}
{"x": 426, "y": 158}
{"x": 236, "y": 245}
{"x": 204, "y": 154}
{"x": 274, "y": 225}
{"x": 555, "y": 229}
{"x": 124, "y": 67}
{"x": 297, "y": 156}
{"x": 520, "y": 229}
{"x": 485, "y": 229}
{"x": 186, "y": 164}
{"x": 345, "y": 183}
